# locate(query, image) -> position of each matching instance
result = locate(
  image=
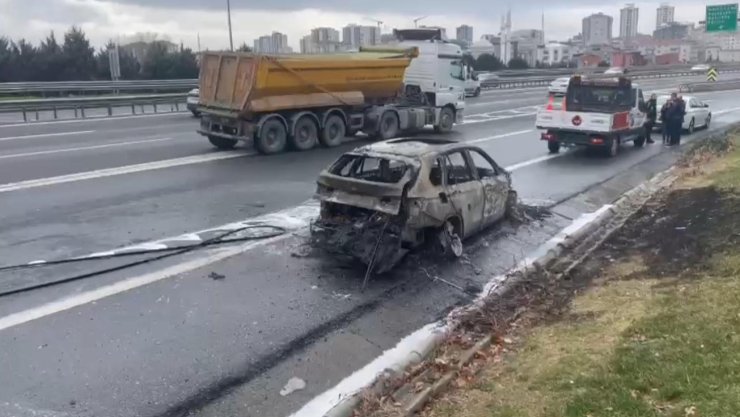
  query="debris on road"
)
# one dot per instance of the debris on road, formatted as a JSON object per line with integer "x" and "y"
{"x": 294, "y": 384}
{"x": 216, "y": 276}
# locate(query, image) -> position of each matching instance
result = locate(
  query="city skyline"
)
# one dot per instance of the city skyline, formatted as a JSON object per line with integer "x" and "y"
{"x": 104, "y": 20}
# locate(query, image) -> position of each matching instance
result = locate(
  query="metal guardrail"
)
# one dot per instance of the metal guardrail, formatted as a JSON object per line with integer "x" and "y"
{"x": 176, "y": 101}
{"x": 97, "y": 86}
{"x": 710, "y": 86}
{"x": 505, "y": 83}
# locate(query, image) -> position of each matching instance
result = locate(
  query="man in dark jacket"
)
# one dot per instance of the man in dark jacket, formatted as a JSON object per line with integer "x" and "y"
{"x": 674, "y": 120}
{"x": 666, "y": 123}
{"x": 652, "y": 113}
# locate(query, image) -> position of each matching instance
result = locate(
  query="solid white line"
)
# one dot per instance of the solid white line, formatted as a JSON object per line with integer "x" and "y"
{"x": 83, "y": 148}
{"x": 128, "y": 169}
{"x": 93, "y": 119}
{"x": 503, "y": 135}
{"x": 45, "y": 135}
{"x": 521, "y": 165}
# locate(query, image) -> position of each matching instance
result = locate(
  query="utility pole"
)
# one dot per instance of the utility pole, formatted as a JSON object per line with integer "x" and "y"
{"x": 228, "y": 14}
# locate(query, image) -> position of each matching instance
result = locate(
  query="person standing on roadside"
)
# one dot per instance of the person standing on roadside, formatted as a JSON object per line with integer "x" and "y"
{"x": 664, "y": 110}
{"x": 674, "y": 120}
{"x": 651, "y": 113}
{"x": 681, "y": 116}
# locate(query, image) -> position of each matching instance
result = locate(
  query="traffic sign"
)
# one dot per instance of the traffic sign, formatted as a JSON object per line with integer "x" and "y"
{"x": 722, "y": 18}
{"x": 712, "y": 74}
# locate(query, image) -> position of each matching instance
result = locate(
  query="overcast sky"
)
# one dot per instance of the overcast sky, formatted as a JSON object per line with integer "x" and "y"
{"x": 183, "y": 20}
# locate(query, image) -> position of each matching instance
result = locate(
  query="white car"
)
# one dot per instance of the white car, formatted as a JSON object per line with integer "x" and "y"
{"x": 192, "y": 101}
{"x": 616, "y": 71}
{"x": 472, "y": 87}
{"x": 698, "y": 113}
{"x": 559, "y": 86}
{"x": 700, "y": 68}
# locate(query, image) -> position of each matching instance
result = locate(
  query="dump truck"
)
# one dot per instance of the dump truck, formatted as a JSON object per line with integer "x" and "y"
{"x": 301, "y": 101}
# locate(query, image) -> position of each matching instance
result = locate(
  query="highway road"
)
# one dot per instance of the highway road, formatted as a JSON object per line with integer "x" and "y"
{"x": 219, "y": 330}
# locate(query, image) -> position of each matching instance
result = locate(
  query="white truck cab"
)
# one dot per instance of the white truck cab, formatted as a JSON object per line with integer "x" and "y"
{"x": 438, "y": 74}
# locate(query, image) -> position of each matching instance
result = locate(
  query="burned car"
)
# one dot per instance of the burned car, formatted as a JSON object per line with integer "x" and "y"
{"x": 381, "y": 200}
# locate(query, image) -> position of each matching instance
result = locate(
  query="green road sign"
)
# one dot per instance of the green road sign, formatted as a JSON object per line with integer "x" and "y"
{"x": 712, "y": 74}
{"x": 722, "y": 18}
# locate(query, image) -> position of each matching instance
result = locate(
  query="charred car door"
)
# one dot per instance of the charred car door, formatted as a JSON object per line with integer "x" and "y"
{"x": 496, "y": 185}
{"x": 464, "y": 191}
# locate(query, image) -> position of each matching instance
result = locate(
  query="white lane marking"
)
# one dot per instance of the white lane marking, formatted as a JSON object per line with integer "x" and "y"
{"x": 46, "y": 135}
{"x": 521, "y": 165}
{"x": 82, "y": 148}
{"x": 93, "y": 119}
{"x": 291, "y": 219}
{"x": 128, "y": 169}
{"x": 503, "y": 135}
{"x": 730, "y": 110}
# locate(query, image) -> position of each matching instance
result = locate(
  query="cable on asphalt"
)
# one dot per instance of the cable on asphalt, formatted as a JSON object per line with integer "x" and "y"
{"x": 165, "y": 253}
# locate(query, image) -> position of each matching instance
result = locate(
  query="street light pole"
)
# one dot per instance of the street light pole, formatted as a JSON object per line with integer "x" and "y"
{"x": 228, "y": 13}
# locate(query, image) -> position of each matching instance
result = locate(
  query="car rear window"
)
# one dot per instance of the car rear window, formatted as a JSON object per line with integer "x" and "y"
{"x": 584, "y": 98}
{"x": 369, "y": 168}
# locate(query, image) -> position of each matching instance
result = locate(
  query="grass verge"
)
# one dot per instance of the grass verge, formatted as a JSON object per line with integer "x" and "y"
{"x": 656, "y": 329}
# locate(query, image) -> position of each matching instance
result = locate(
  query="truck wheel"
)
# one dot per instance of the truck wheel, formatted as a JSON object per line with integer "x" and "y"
{"x": 333, "y": 132}
{"x": 305, "y": 134}
{"x": 446, "y": 120}
{"x": 553, "y": 147}
{"x": 272, "y": 137}
{"x": 389, "y": 126}
{"x": 222, "y": 143}
{"x": 613, "y": 148}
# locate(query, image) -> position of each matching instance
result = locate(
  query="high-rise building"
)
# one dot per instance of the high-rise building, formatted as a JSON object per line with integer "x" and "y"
{"x": 355, "y": 35}
{"x": 597, "y": 29}
{"x": 308, "y": 46}
{"x": 628, "y": 17}
{"x": 326, "y": 39}
{"x": 665, "y": 15}
{"x": 465, "y": 34}
{"x": 276, "y": 43}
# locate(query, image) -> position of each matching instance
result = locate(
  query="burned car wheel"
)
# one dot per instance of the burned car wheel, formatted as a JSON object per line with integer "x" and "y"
{"x": 450, "y": 240}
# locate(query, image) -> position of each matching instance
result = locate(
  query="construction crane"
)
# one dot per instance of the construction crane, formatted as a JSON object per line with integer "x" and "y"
{"x": 379, "y": 22}
{"x": 416, "y": 21}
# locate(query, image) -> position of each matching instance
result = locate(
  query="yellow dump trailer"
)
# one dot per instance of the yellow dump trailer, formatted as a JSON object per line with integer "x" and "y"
{"x": 305, "y": 100}
{"x": 246, "y": 83}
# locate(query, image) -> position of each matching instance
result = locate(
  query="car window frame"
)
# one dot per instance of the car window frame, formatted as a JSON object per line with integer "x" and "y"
{"x": 447, "y": 163}
{"x": 496, "y": 167}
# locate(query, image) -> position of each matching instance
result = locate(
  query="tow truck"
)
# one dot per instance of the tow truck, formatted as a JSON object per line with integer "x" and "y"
{"x": 598, "y": 113}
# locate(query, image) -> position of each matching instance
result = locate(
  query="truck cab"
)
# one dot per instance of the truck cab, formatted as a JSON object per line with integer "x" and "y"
{"x": 597, "y": 113}
{"x": 437, "y": 77}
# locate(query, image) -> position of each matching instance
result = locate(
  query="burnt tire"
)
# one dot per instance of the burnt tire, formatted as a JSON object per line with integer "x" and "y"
{"x": 333, "y": 132}
{"x": 222, "y": 143}
{"x": 305, "y": 134}
{"x": 272, "y": 137}
{"x": 446, "y": 120}
{"x": 388, "y": 126}
{"x": 512, "y": 204}
{"x": 553, "y": 147}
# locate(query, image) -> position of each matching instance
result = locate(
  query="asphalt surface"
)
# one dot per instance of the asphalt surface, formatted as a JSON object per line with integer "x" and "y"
{"x": 222, "y": 338}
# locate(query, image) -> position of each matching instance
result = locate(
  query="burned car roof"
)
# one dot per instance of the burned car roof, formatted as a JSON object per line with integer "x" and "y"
{"x": 411, "y": 147}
